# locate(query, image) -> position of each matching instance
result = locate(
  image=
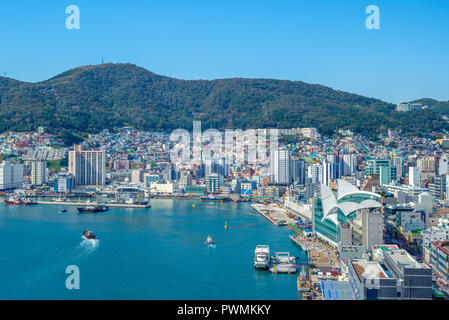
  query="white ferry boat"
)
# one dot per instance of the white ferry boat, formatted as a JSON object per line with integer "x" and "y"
{"x": 262, "y": 257}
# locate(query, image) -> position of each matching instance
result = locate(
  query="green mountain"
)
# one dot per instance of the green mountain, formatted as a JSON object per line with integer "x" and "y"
{"x": 439, "y": 106}
{"x": 91, "y": 98}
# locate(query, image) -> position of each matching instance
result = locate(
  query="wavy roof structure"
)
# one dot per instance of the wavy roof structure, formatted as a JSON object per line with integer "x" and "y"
{"x": 330, "y": 202}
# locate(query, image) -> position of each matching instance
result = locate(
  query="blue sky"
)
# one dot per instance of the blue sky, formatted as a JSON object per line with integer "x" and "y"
{"x": 319, "y": 41}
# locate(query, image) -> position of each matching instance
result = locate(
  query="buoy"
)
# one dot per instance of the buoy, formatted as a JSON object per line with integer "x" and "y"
{"x": 226, "y": 225}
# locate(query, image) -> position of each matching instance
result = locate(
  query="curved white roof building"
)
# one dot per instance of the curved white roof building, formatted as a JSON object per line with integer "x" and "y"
{"x": 332, "y": 209}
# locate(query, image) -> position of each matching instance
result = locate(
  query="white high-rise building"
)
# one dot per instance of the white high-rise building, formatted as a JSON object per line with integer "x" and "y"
{"x": 331, "y": 169}
{"x": 137, "y": 175}
{"x": 315, "y": 172}
{"x": 38, "y": 173}
{"x": 11, "y": 175}
{"x": 443, "y": 165}
{"x": 88, "y": 166}
{"x": 280, "y": 165}
{"x": 348, "y": 165}
{"x": 185, "y": 179}
{"x": 414, "y": 176}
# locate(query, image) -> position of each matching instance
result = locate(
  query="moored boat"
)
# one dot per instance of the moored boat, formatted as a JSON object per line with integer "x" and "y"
{"x": 92, "y": 209}
{"x": 19, "y": 201}
{"x": 262, "y": 257}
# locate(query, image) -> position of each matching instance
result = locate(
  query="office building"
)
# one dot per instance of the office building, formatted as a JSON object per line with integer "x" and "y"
{"x": 439, "y": 258}
{"x": 382, "y": 168}
{"x": 414, "y": 279}
{"x": 213, "y": 183}
{"x": 64, "y": 183}
{"x": 369, "y": 281}
{"x": 298, "y": 171}
{"x": 372, "y": 227}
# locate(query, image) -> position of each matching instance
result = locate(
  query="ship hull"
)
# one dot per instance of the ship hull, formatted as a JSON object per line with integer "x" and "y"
{"x": 92, "y": 210}
{"x": 19, "y": 203}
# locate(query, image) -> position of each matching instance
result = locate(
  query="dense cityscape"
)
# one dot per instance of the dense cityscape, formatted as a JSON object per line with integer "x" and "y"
{"x": 224, "y": 159}
{"x": 371, "y": 217}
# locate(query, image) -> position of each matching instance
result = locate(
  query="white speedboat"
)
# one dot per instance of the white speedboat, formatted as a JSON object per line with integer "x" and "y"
{"x": 209, "y": 241}
{"x": 262, "y": 257}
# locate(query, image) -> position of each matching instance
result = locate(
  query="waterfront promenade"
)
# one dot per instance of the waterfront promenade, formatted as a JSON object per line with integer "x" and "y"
{"x": 319, "y": 254}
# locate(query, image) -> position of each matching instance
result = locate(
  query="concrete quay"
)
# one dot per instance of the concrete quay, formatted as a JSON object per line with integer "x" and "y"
{"x": 83, "y": 204}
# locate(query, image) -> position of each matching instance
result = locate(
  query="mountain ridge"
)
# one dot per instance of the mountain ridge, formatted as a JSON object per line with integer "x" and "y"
{"x": 94, "y": 97}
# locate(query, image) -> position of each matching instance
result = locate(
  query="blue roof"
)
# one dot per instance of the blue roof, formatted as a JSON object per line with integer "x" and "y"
{"x": 337, "y": 290}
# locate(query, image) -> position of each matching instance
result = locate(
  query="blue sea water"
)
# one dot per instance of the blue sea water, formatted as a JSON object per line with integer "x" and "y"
{"x": 155, "y": 253}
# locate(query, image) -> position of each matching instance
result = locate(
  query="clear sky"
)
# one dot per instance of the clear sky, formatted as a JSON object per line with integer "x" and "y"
{"x": 316, "y": 41}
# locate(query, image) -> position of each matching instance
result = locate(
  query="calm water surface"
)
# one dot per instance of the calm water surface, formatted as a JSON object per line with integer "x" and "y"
{"x": 156, "y": 253}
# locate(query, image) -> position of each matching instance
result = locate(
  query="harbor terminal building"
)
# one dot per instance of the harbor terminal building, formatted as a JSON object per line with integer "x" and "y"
{"x": 348, "y": 217}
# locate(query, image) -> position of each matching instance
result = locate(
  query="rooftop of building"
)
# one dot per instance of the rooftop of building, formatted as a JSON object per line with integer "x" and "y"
{"x": 337, "y": 290}
{"x": 368, "y": 269}
{"x": 443, "y": 246}
{"x": 386, "y": 247}
{"x": 404, "y": 259}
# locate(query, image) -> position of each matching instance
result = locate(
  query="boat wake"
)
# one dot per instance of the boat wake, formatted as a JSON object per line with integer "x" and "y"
{"x": 89, "y": 243}
{"x": 88, "y": 246}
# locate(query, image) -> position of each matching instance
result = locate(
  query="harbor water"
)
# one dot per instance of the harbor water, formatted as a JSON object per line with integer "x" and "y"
{"x": 157, "y": 253}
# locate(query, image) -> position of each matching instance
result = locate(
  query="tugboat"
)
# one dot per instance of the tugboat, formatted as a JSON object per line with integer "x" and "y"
{"x": 262, "y": 257}
{"x": 19, "y": 201}
{"x": 209, "y": 241}
{"x": 88, "y": 235}
{"x": 92, "y": 209}
{"x": 303, "y": 282}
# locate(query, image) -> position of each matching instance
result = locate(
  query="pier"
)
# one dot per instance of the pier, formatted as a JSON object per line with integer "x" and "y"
{"x": 275, "y": 215}
{"x": 83, "y": 204}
